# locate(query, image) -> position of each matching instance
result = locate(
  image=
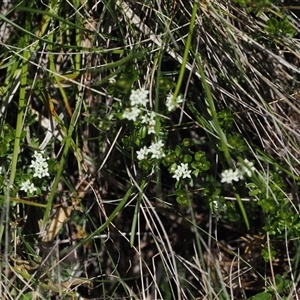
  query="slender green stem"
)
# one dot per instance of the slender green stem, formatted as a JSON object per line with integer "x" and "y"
{"x": 21, "y": 108}
{"x": 68, "y": 138}
{"x": 109, "y": 219}
{"x": 158, "y": 122}
{"x": 62, "y": 162}
{"x": 213, "y": 112}
{"x": 242, "y": 208}
{"x": 136, "y": 214}
{"x": 186, "y": 50}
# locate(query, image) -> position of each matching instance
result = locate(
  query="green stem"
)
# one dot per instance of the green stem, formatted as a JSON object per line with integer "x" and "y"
{"x": 108, "y": 221}
{"x": 21, "y": 108}
{"x": 186, "y": 50}
{"x": 68, "y": 140}
{"x": 213, "y": 112}
{"x": 242, "y": 208}
{"x": 136, "y": 213}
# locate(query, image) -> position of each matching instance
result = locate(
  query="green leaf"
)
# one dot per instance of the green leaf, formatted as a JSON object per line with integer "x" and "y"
{"x": 254, "y": 192}
{"x": 170, "y": 158}
{"x": 268, "y": 256}
{"x": 187, "y": 143}
{"x": 124, "y": 82}
{"x": 3, "y": 150}
{"x": 187, "y": 158}
{"x": 237, "y": 142}
{"x": 261, "y": 296}
{"x": 199, "y": 155}
{"x": 27, "y": 296}
{"x": 272, "y": 25}
{"x": 226, "y": 119}
{"x": 165, "y": 84}
{"x": 196, "y": 172}
{"x": 282, "y": 283}
{"x": 178, "y": 150}
{"x": 287, "y": 28}
{"x": 183, "y": 198}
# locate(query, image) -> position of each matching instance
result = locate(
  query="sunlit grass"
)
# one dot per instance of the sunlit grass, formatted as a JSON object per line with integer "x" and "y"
{"x": 107, "y": 222}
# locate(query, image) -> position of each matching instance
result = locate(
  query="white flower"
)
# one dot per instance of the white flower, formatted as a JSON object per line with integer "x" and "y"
{"x": 240, "y": 174}
{"x": 230, "y": 175}
{"x": 139, "y": 97}
{"x": 39, "y": 156}
{"x": 27, "y": 186}
{"x": 142, "y": 153}
{"x": 247, "y": 168}
{"x": 171, "y": 103}
{"x": 218, "y": 208}
{"x": 182, "y": 171}
{"x": 151, "y": 126}
{"x": 41, "y": 171}
{"x": 131, "y": 113}
{"x": 149, "y": 119}
{"x": 215, "y": 205}
{"x": 112, "y": 79}
{"x": 39, "y": 165}
{"x": 146, "y": 119}
{"x": 35, "y": 164}
{"x": 157, "y": 150}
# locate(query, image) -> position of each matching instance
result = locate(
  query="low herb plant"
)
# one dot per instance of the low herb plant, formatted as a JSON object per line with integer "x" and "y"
{"x": 128, "y": 162}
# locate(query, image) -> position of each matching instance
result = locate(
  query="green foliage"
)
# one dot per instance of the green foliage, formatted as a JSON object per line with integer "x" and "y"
{"x": 66, "y": 82}
{"x": 27, "y": 296}
{"x": 165, "y": 84}
{"x": 280, "y": 216}
{"x": 226, "y": 119}
{"x": 196, "y": 160}
{"x": 255, "y": 5}
{"x": 183, "y": 197}
{"x": 281, "y": 26}
{"x": 261, "y": 296}
{"x": 237, "y": 143}
{"x": 268, "y": 254}
{"x": 200, "y": 163}
{"x": 281, "y": 286}
{"x": 282, "y": 283}
{"x": 124, "y": 82}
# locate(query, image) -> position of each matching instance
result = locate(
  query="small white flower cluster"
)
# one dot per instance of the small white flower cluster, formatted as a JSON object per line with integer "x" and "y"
{"x": 139, "y": 97}
{"x": 239, "y": 174}
{"x": 229, "y": 175}
{"x": 218, "y": 208}
{"x": 182, "y": 171}
{"x": 40, "y": 167}
{"x": 131, "y": 113}
{"x": 155, "y": 149}
{"x": 149, "y": 120}
{"x": 172, "y": 103}
{"x": 138, "y": 103}
{"x": 28, "y": 186}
